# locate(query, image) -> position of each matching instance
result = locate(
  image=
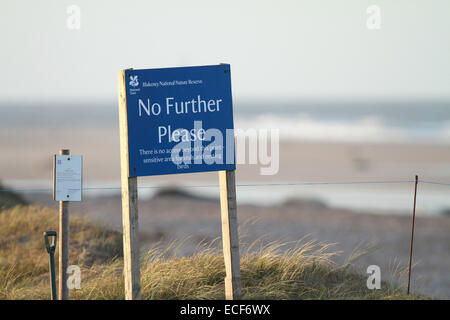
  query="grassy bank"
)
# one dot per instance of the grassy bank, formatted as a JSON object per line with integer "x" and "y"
{"x": 10, "y": 199}
{"x": 302, "y": 273}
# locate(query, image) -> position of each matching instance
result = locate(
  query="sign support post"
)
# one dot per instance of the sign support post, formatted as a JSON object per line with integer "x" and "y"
{"x": 230, "y": 238}
{"x": 63, "y": 243}
{"x": 67, "y": 186}
{"x": 129, "y": 204}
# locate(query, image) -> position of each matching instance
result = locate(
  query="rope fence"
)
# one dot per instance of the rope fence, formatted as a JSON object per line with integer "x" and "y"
{"x": 246, "y": 185}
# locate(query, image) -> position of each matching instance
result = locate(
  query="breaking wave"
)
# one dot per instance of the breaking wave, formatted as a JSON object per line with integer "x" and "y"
{"x": 366, "y": 129}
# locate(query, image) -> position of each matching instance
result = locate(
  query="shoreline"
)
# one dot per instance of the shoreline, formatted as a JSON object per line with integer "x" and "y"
{"x": 374, "y": 198}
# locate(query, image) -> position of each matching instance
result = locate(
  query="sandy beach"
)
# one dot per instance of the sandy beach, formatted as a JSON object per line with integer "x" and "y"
{"x": 299, "y": 161}
{"x": 25, "y": 162}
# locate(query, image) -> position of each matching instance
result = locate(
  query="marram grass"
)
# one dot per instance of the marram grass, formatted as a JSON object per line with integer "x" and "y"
{"x": 268, "y": 272}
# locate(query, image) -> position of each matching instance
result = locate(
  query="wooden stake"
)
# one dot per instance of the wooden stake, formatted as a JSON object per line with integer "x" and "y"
{"x": 230, "y": 238}
{"x": 129, "y": 204}
{"x": 412, "y": 233}
{"x": 63, "y": 243}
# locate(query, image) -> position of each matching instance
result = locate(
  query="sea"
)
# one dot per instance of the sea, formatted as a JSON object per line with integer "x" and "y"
{"x": 351, "y": 121}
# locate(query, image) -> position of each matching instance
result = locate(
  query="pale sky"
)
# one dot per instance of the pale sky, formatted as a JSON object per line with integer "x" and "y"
{"x": 315, "y": 49}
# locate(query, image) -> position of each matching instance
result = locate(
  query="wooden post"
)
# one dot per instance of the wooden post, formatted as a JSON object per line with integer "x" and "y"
{"x": 129, "y": 204}
{"x": 230, "y": 238}
{"x": 63, "y": 242}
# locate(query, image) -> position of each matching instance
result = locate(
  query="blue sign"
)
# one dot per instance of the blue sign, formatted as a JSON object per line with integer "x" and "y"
{"x": 180, "y": 120}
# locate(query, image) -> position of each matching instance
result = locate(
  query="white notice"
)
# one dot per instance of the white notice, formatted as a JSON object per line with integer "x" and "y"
{"x": 68, "y": 178}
